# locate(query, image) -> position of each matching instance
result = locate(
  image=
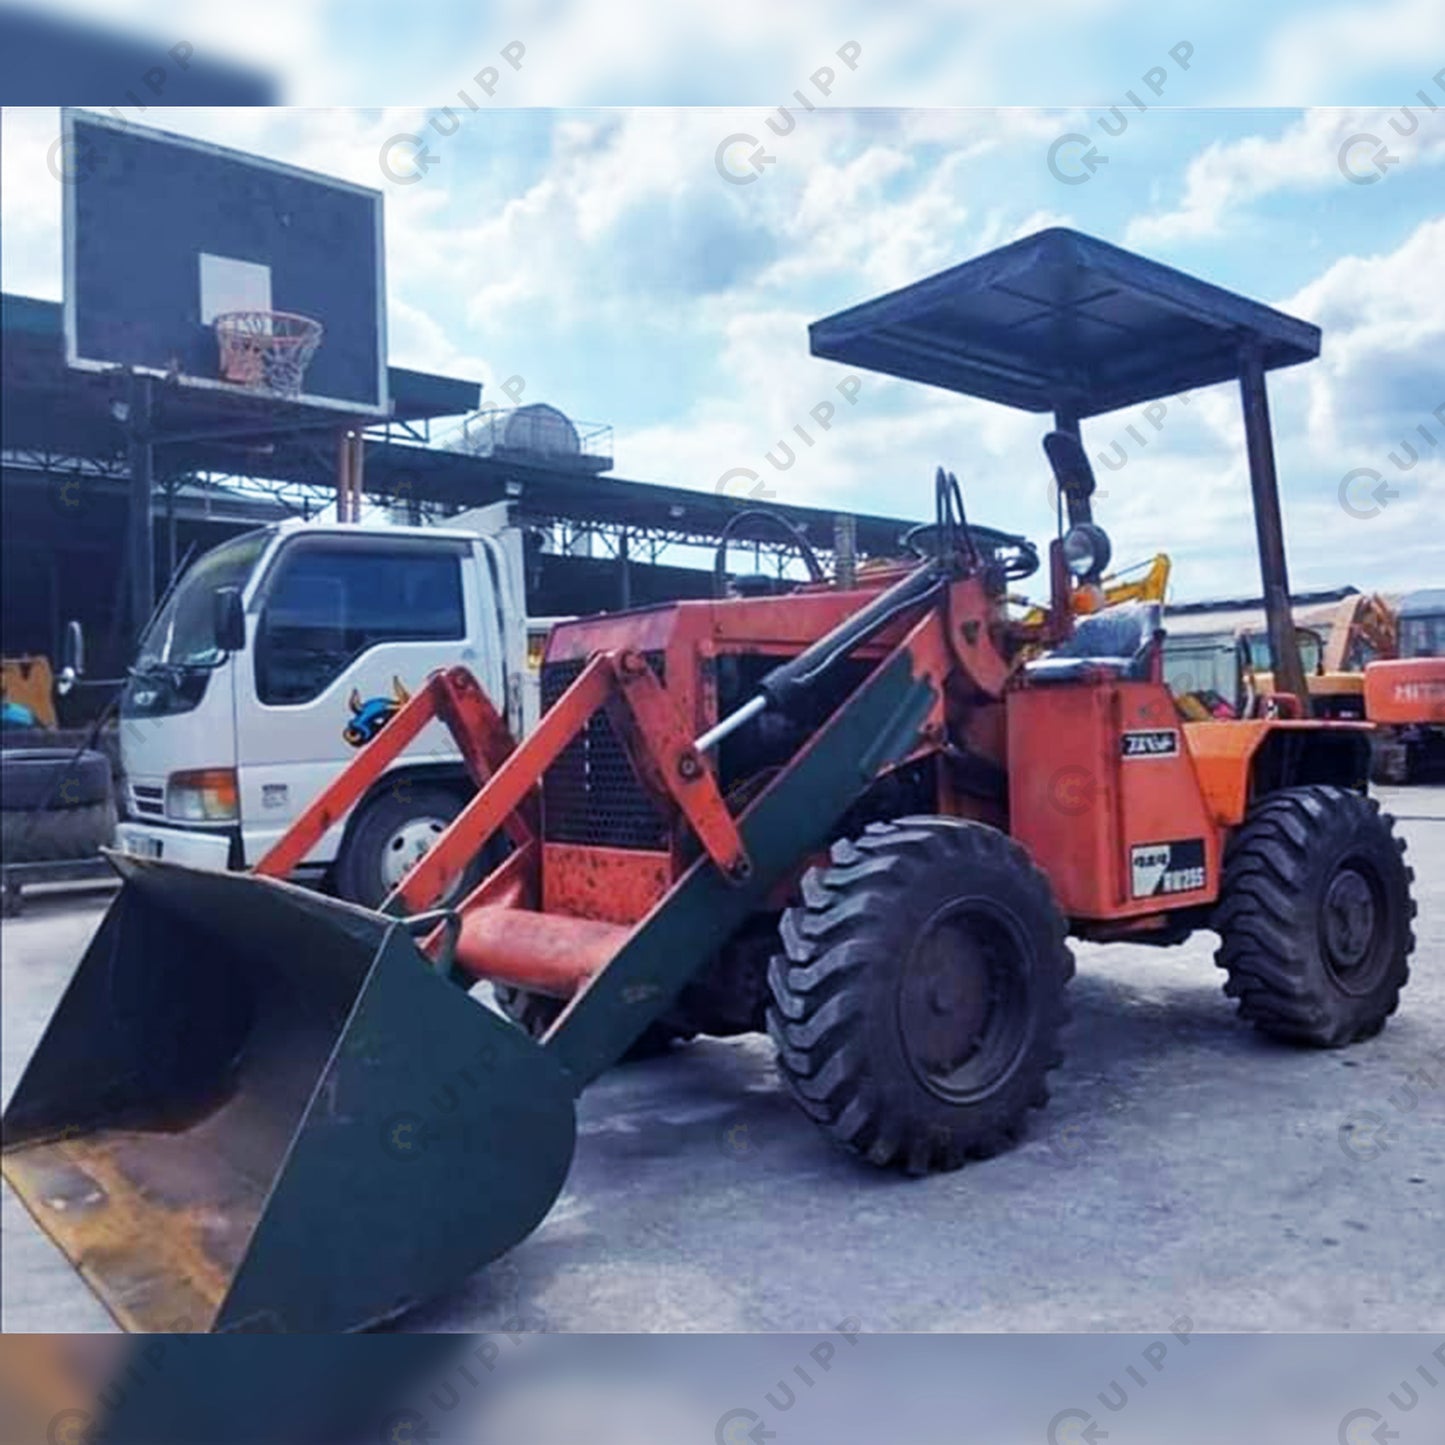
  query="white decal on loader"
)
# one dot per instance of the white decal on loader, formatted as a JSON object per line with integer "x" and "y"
{"x": 1167, "y": 867}
{"x": 1151, "y": 743}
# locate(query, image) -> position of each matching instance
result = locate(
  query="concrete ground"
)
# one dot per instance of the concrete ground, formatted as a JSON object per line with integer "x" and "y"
{"x": 1185, "y": 1167}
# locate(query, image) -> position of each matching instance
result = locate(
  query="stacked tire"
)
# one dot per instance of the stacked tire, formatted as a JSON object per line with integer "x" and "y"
{"x": 56, "y": 805}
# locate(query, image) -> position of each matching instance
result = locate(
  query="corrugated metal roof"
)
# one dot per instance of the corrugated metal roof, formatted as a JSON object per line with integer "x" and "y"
{"x": 1320, "y": 616}
{"x": 1427, "y": 602}
{"x": 1060, "y": 320}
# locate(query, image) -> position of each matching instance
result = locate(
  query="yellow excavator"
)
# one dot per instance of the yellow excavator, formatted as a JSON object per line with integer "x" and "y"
{"x": 1350, "y": 633}
{"x": 1113, "y": 589}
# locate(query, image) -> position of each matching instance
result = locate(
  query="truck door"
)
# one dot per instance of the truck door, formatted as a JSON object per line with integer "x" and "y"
{"x": 347, "y": 626}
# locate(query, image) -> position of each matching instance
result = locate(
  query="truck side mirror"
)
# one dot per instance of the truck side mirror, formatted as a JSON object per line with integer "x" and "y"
{"x": 72, "y": 657}
{"x": 229, "y": 619}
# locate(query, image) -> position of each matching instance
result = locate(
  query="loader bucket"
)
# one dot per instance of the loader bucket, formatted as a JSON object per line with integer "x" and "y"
{"x": 260, "y": 1109}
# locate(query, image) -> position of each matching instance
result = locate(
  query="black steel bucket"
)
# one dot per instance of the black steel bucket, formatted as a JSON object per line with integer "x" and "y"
{"x": 257, "y": 1108}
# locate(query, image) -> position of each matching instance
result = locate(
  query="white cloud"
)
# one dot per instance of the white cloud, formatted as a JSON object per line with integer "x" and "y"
{"x": 1321, "y": 54}
{"x": 1224, "y": 179}
{"x": 620, "y": 225}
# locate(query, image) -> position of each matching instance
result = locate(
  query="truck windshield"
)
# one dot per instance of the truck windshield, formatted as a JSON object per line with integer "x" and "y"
{"x": 183, "y": 633}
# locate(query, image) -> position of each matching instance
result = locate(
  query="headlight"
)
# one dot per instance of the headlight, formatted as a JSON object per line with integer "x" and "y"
{"x": 1087, "y": 550}
{"x": 207, "y": 795}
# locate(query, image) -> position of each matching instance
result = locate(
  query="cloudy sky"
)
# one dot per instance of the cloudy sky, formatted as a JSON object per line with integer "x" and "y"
{"x": 604, "y": 256}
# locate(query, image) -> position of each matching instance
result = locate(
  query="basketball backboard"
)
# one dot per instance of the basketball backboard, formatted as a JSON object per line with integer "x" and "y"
{"x": 164, "y": 233}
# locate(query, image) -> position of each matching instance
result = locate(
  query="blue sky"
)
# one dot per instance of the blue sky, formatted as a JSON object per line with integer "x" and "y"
{"x": 602, "y": 256}
{"x": 929, "y": 52}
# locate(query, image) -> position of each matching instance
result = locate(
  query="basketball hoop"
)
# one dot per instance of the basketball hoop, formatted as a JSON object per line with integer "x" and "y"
{"x": 267, "y": 350}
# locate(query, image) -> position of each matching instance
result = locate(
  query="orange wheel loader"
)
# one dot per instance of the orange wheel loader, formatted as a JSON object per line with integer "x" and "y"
{"x": 866, "y": 818}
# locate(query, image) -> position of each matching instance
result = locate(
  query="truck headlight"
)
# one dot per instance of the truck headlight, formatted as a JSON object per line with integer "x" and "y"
{"x": 206, "y": 795}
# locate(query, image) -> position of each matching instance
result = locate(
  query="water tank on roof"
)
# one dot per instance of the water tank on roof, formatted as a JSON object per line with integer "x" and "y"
{"x": 537, "y": 434}
{"x": 538, "y": 429}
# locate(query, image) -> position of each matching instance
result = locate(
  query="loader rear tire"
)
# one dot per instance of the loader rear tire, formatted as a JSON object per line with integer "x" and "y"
{"x": 919, "y": 1001}
{"x": 1314, "y": 917}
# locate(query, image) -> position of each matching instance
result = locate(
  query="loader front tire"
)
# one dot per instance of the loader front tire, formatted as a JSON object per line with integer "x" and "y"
{"x": 918, "y": 1003}
{"x": 1314, "y": 917}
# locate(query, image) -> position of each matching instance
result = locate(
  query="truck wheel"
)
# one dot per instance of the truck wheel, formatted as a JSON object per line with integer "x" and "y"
{"x": 392, "y": 831}
{"x": 536, "y": 1013}
{"x": 918, "y": 1005}
{"x": 1314, "y": 916}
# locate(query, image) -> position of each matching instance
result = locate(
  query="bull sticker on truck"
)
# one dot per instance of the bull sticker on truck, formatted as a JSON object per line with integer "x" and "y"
{"x": 368, "y": 717}
{"x": 1150, "y": 743}
{"x": 1176, "y": 867}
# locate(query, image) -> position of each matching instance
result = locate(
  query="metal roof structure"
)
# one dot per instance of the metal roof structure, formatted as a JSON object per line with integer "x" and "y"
{"x": 1062, "y": 322}
{"x": 1313, "y": 611}
{"x": 58, "y": 421}
{"x": 1426, "y": 602}
{"x": 1216, "y": 605}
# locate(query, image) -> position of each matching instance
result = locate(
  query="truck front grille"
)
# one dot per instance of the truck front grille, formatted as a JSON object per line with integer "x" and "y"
{"x": 147, "y": 801}
{"x": 591, "y": 795}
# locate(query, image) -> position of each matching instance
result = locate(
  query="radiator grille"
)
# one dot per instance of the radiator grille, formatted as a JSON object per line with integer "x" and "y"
{"x": 591, "y": 795}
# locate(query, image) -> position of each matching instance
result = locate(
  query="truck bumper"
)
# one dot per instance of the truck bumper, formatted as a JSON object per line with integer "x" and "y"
{"x": 198, "y": 849}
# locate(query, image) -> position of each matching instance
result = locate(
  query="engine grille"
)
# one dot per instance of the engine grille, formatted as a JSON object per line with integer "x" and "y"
{"x": 591, "y": 795}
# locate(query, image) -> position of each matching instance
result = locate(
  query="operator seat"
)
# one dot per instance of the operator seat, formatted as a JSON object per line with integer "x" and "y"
{"x": 1119, "y": 641}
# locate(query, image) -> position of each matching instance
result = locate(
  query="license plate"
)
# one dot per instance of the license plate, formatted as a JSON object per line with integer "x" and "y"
{"x": 145, "y": 847}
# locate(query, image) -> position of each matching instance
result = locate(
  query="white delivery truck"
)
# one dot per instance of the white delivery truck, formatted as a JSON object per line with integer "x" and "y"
{"x": 282, "y": 651}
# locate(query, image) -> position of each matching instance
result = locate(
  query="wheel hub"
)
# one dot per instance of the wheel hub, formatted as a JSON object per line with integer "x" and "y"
{"x": 963, "y": 1005}
{"x": 407, "y": 846}
{"x": 1349, "y": 920}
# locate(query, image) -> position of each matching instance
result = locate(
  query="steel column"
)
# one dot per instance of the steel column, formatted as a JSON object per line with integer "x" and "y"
{"x": 141, "y": 540}
{"x": 1284, "y": 651}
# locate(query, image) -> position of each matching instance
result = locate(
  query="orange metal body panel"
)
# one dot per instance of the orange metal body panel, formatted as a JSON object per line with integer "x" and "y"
{"x": 1223, "y": 754}
{"x": 1406, "y": 690}
{"x": 1104, "y": 795}
{"x": 616, "y": 885}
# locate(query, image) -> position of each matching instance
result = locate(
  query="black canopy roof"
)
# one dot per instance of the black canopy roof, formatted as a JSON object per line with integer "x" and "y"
{"x": 1060, "y": 321}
